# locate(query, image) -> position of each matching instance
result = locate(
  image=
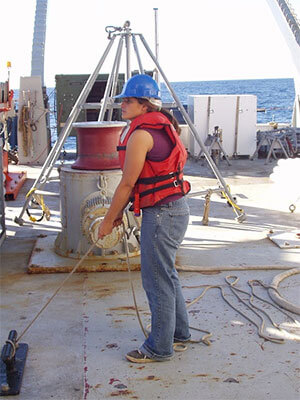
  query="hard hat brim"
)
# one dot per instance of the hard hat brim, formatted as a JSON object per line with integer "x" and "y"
{"x": 140, "y": 86}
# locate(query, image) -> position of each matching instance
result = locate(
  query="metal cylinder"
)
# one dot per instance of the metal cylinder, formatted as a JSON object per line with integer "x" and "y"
{"x": 97, "y": 145}
{"x": 81, "y": 192}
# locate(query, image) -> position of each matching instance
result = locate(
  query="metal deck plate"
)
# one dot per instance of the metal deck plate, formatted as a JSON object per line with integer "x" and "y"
{"x": 286, "y": 240}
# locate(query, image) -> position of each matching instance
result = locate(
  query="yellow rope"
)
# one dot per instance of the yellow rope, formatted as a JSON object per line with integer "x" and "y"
{"x": 31, "y": 191}
{"x": 40, "y": 200}
{"x": 234, "y": 205}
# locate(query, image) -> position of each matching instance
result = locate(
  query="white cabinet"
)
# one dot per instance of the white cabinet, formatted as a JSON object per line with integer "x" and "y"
{"x": 234, "y": 114}
{"x": 33, "y": 133}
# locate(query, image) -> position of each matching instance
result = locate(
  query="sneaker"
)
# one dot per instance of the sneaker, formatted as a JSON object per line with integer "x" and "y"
{"x": 136, "y": 356}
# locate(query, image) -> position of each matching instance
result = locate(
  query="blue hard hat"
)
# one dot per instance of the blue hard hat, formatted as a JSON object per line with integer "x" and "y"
{"x": 140, "y": 86}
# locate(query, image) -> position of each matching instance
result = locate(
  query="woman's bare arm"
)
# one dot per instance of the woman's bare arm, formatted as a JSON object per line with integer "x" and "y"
{"x": 139, "y": 143}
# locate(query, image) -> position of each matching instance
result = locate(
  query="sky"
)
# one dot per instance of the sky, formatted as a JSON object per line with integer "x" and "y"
{"x": 199, "y": 40}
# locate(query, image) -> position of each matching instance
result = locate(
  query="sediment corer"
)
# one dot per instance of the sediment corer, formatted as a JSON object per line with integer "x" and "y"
{"x": 13, "y": 357}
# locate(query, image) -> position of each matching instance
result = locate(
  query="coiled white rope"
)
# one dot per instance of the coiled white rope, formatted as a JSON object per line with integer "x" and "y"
{"x": 275, "y": 295}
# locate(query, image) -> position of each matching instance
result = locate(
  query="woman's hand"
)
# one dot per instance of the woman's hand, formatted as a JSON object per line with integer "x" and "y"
{"x": 107, "y": 226}
{"x": 118, "y": 221}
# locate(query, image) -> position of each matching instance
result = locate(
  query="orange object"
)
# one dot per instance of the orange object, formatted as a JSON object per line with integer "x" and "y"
{"x": 13, "y": 180}
{"x": 6, "y": 97}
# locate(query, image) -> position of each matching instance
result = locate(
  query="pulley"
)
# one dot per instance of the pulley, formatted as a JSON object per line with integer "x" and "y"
{"x": 93, "y": 210}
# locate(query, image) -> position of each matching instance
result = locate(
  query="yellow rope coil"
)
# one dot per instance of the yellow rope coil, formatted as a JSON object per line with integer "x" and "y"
{"x": 40, "y": 200}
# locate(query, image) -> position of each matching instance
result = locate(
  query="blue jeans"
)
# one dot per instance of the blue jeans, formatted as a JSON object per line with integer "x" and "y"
{"x": 163, "y": 229}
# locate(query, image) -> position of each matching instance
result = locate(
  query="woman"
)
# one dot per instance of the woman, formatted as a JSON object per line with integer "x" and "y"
{"x": 152, "y": 159}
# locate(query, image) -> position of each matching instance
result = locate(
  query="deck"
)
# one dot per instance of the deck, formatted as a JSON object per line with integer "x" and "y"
{"x": 77, "y": 346}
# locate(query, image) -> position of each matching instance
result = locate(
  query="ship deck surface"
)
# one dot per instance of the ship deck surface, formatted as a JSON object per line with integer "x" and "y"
{"x": 77, "y": 346}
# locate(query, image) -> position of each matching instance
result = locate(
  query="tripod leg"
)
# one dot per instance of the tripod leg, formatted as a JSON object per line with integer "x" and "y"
{"x": 282, "y": 147}
{"x": 209, "y": 148}
{"x": 114, "y": 87}
{"x": 142, "y": 71}
{"x": 112, "y": 77}
{"x": 271, "y": 151}
{"x": 55, "y": 152}
{"x": 260, "y": 143}
{"x": 224, "y": 153}
{"x": 240, "y": 215}
{"x": 116, "y": 67}
{"x": 127, "y": 45}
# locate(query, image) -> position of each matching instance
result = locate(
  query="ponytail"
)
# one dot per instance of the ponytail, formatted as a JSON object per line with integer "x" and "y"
{"x": 164, "y": 111}
{"x": 172, "y": 119}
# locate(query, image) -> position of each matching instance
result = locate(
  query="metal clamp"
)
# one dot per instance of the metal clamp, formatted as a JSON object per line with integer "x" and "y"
{"x": 12, "y": 363}
{"x": 112, "y": 29}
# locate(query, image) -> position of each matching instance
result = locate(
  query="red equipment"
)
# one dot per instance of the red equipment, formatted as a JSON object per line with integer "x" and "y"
{"x": 13, "y": 180}
{"x": 97, "y": 145}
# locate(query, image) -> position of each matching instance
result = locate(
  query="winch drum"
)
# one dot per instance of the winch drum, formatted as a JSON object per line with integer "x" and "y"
{"x": 77, "y": 187}
{"x": 97, "y": 145}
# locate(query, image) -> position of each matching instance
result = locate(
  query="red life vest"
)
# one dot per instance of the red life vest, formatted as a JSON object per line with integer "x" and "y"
{"x": 158, "y": 179}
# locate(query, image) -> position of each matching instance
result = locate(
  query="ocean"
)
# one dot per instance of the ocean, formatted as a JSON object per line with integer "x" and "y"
{"x": 275, "y": 96}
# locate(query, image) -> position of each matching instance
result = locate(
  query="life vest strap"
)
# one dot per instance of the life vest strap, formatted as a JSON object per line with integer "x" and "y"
{"x": 156, "y": 179}
{"x": 162, "y": 187}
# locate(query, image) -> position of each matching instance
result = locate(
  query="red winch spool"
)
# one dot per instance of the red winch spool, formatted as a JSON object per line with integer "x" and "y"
{"x": 97, "y": 145}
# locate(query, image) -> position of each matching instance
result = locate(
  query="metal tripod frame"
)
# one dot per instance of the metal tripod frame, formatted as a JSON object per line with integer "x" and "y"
{"x": 211, "y": 142}
{"x": 107, "y": 104}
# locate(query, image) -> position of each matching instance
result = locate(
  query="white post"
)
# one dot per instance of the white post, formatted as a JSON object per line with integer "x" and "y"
{"x": 156, "y": 43}
{"x": 39, "y": 37}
